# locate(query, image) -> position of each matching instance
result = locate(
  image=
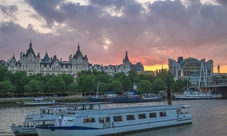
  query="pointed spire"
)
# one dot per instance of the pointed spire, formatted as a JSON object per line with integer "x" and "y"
{"x": 126, "y": 56}
{"x": 46, "y": 57}
{"x": 13, "y": 56}
{"x": 78, "y": 47}
{"x": 30, "y": 45}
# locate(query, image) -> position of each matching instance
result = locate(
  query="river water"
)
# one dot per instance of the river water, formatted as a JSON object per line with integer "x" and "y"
{"x": 209, "y": 119}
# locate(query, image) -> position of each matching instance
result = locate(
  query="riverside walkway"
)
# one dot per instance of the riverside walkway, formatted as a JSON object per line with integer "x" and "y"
{"x": 66, "y": 98}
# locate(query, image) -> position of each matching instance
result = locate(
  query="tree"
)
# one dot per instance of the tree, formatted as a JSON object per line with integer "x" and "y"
{"x": 89, "y": 83}
{"x": 159, "y": 85}
{"x": 103, "y": 78}
{"x": 125, "y": 81}
{"x": 56, "y": 85}
{"x": 3, "y": 72}
{"x": 223, "y": 76}
{"x": 86, "y": 83}
{"x": 115, "y": 86}
{"x": 166, "y": 76}
{"x": 6, "y": 88}
{"x": 145, "y": 86}
{"x": 19, "y": 79}
{"x": 80, "y": 82}
{"x": 103, "y": 87}
{"x": 179, "y": 85}
{"x": 68, "y": 80}
{"x": 72, "y": 87}
{"x": 133, "y": 76}
{"x": 34, "y": 87}
{"x": 147, "y": 77}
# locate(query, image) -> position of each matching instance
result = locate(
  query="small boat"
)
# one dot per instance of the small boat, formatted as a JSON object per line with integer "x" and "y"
{"x": 36, "y": 102}
{"x": 46, "y": 117}
{"x": 196, "y": 95}
{"x": 94, "y": 119}
{"x": 126, "y": 98}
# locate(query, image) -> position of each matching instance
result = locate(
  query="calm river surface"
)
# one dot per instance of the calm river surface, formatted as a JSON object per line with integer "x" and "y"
{"x": 209, "y": 119}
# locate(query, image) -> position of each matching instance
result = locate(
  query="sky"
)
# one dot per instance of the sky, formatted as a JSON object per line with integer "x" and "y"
{"x": 150, "y": 31}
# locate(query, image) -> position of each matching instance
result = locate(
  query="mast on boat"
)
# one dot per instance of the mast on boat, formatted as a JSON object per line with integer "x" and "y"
{"x": 202, "y": 73}
{"x": 97, "y": 91}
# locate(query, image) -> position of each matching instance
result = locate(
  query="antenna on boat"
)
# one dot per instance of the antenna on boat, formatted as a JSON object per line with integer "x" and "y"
{"x": 97, "y": 91}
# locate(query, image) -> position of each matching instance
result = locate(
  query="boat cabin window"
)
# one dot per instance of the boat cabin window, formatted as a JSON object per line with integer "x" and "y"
{"x": 183, "y": 111}
{"x": 162, "y": 114}
{"x": 101, "y": 119}
{"x": 153, "y": 115}
{"x": 89, "y": 120}
{"x": 117, "y": 118}
{"x": 46, "y": 111}
{"x": 142, "y": 116}
{"x": 45, "y": 123}
{"x": 29, "y": 124}
{"x": 130, "y": 117}
{"x": 85, "y": 107}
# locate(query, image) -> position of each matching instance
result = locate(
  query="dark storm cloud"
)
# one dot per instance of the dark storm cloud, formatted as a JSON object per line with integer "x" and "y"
{"x": 9, "y": 10}
{"x": 47, "y": 9}
{"x": 150, "y": 32}
{"x": 222, "y": 2}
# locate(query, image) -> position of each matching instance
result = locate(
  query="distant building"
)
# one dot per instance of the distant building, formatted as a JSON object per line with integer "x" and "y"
{"x": 191, "y": 69}
{"x": 33, "y": 64}
{"x": 125, "y": 67}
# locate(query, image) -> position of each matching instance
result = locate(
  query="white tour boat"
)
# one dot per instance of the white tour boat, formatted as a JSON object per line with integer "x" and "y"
{"x": 196, "y": 95}
{"x": 46, "y": 117}
{"x": 37, "y": 102}
{"x": 92, "y": 119}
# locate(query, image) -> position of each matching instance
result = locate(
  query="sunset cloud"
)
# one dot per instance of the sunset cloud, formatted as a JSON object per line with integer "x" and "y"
{"x": 151, "y": 31}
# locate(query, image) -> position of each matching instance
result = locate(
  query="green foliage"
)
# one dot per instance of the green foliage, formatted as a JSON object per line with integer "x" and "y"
{"x": 86, "y": 83}
{"x": 34, "y": 87}
{"x": 150, "y": 78}
{"x": 179, "y": 86}
{"x": 19, "y": 79}
{"x": 145, "y": 86}
{"x": 115, "y": 86}
{"x": 223, "y": 76}
{"x": 103, "y": 87}
{"x": 89, "y": 84}
{"x": 125, "y": 81}
{"x": 3, "y": 72}
{"x": 166, "y": 76}
{"x": 72, "y": 87}
{"x": 6, "y": 89}
{"x": 134, "y": 77}
{"x": 68, "y": 80}
{"x": 86, "y": 72}
{"x": 159, "y": 85}
{"x": 103, "y": 78}
{"x": 56, "y": 85}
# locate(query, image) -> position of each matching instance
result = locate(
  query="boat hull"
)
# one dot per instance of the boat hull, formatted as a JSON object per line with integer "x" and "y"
{"x": 124, "y": 99}
{"x": 78, "y": 131}
{"x": 21, "y": 104}
{"x": 196, "y": 97}
{"x": 23, "y": 131}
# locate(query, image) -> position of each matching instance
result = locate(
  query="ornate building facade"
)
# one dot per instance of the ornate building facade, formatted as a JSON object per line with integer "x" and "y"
{"x": 34, "y": 64}
{"x": 192, "y": 69}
